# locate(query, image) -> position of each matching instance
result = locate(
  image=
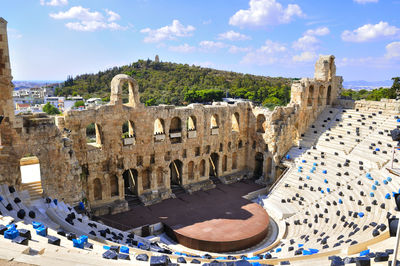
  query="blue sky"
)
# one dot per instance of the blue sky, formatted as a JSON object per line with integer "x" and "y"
{"x": 50, "y": 39}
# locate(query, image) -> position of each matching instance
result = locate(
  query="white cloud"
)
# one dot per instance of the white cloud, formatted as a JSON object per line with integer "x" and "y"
{"x": 235, "y": 49}
{"x": 371, "y": 32}
{"x": 184, "y": 48}
{"x": 306, "y": 56}
{"x": 307, "y": 42}
{"x": 170, "y": 32}
{"x": 207, "y": 46}
{"x": 112, "y": 16}
{"x": 79, "y": 13}
{"x": 54, "y": 2}
{"x": 393, "y": 50}
{"x": 269, "y": 53}
{"x": 233, "y": 36}
{"x": 265, "y": 12}
{"x": 365, "y": 1}
{"x": 93, "y": 25}
{"x": 89, "y": 20}
{"x": 206, "y": 22}
{"x": 321, "y": 31}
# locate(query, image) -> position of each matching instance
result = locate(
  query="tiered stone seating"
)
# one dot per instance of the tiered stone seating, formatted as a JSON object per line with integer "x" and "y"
{"x": 333, "y": 203}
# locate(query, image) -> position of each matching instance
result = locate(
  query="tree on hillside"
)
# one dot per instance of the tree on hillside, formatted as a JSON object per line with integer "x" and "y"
{"x": 50, "y": 109}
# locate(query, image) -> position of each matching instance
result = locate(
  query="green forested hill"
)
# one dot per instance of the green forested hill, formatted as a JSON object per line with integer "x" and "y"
{"x": 179, "y": 84}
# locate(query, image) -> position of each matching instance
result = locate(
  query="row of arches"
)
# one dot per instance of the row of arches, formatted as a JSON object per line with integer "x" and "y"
{"x": 130, "y": 177}
{"x": 322, "y": 95}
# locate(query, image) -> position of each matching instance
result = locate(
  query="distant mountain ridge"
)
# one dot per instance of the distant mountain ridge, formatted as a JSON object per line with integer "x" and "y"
{"x": 367, "y": 85}
{"x": 25, "y": 84}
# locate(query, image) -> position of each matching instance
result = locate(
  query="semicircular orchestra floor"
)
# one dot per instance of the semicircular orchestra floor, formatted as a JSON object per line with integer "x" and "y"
{"x": 216, "y": 220}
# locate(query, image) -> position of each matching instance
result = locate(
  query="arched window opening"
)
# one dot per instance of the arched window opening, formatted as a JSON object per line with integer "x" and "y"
{"x": 159, "y": 132}
{"x": 214, "y": 124}
{"x": 160, "y": 177}
{"x": 130, "y": 182}
{"x": 261, "y": 124}
{"x": 235, "y": 122}
{"x": 240, "y": 144}
{"x": 128, "y": 133}
{"x": 202, "y": 168}
{"x": 310, "y": 96}
{"x": 192, "y": 127}
{"x": 224, "y": 163}
{"x": 175, "y": 130}
{"x": 191, "y": 170}
{"x": 114, "y": 186}
{"x": 94, "y": 135}
{"x": 234, "y": 161}
{"x": 97, "y": 189}
{"x": 146, "y": 179}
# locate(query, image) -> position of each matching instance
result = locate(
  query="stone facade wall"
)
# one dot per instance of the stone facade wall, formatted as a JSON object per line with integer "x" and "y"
{"x": 164, "y": 144}
{"x": 383, "y": 104}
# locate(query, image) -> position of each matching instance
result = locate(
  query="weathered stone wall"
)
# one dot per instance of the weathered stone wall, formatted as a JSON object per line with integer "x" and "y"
{"x": 164, "y": 144}
{"x": 383, "y": 104}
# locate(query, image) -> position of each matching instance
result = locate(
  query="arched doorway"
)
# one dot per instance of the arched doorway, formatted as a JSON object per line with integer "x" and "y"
{"x": 328, "y": 95}
{"x": 176, "y": 173}
{"x": 97, "y": 189}
{"x": 30, "y": 176}
{"x": 114, "y": 186}
{"x": 258, "y": 166}
{"x": 214, "y": 165}
{"x": 130, "y": 182}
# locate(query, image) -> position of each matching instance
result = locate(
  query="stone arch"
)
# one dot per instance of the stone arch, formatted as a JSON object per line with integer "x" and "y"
{"x": 214, "y": 123}
{"x": 114, "y": 186}
{"x": 234, "y": 161}
{"x": 191, "y": 123}
{"x": 321, "y": 95}
{"x": 159, "y": 126}
{"x": 97, "y": 189}
{"x": 224, "y": 163}
{"x": 146, "y": 179}
{"x": 116, "y": 90}
{"x": 128, "y": 129}
{"x": 130, "y": 181}
{"x": 240, "y": 144}
{"x": 202, "y": 168}
{"x": 191, "y": 170}
{"x": 261, "y": 124}
{"x": 214, "y": 162}
{"x": 160, "y": 176}
{"x": 175, "y": 130}
{"x": 235, "y": 122}
{"x": 176, "y": 125}
{"x": 94, "y": 134}
{"x": 328, "y": 95}
{"x": 175, "y": 168}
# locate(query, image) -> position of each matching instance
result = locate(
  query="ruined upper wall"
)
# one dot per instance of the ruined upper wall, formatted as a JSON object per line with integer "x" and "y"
{"x": 6, "y": 99}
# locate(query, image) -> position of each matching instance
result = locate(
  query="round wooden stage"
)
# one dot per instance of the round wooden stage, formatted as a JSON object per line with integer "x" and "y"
{"x": 247, "y": 227}
{"x": 216, "y": 220}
